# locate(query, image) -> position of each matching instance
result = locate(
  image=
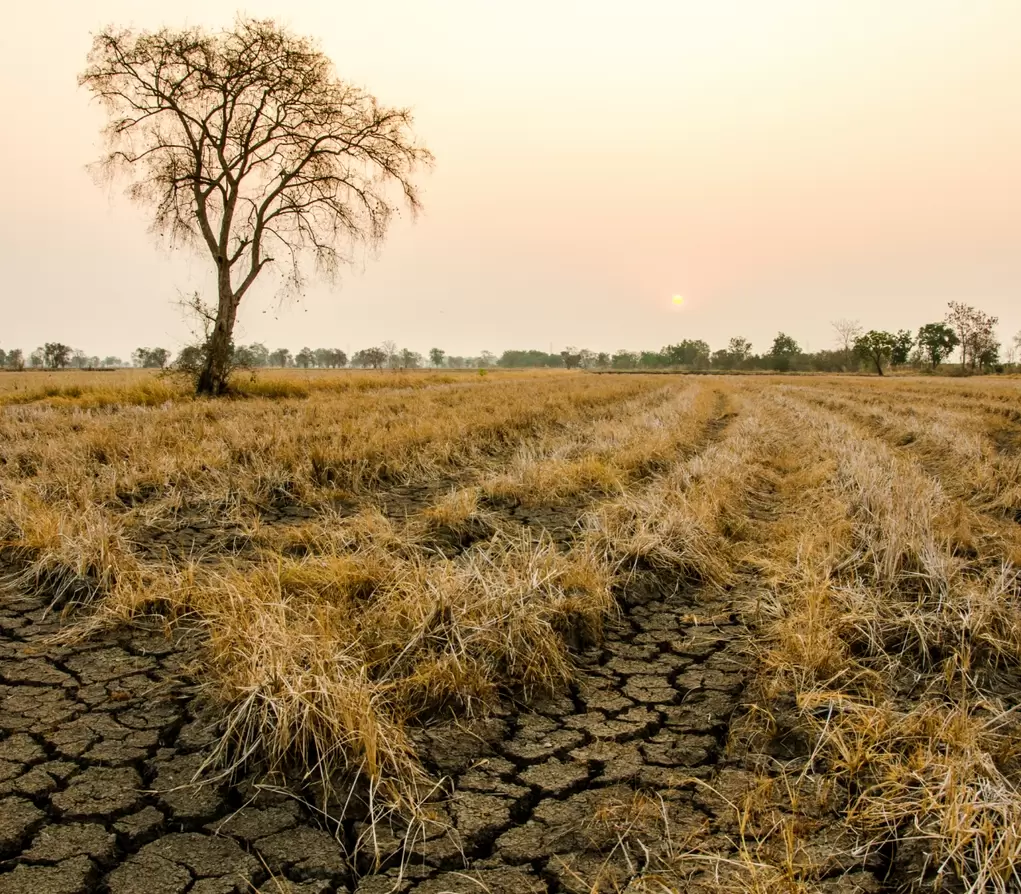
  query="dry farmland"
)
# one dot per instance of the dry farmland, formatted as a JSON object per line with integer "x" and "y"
{"x": 521, "y": 632}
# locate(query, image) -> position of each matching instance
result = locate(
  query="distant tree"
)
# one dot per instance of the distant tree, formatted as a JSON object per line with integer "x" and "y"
{"x": 689, "y": 352}
{"x": 258, "y": 354}
{"x": 246, "y": 142}
{"x": 111, "y": 361}
{"x": 721, "y": 359}
{"x": 571, "y": 358}
{"x": 246, "y": 358}
{"x": 937, "y": 341}
{"x": 738, "y": 351}
{"x": 409, "y": 359}
{"x": 827, "y": 361}
{"x": 876, "y": 346}
{"x": 37, "y": 358}
{"x": 329, "y": 357}
{"x": 987, "y": 355}
{"x": 280, "y": 357}
{"x": 56, "y": 355}
{"x": 151, "y": 358}
{"x": 374, "y": 357}
{"x": 190, "y": 358}
{"x": 652, "y": 359}
{"x": 3, "y": 358}
{"x": 904, "y": 341}
{"x": 521, "y": 359}
{"x": 739, "y": 348}
{"x": 602, "y": 360}
{"x": 436, "y": 356}
{"x": 624, "y": 360}
{"x": 783, "y": 349}
{"x": 848, "y": 332}
{"x": 332, "y": 357}
{"x": 391, "y": 351}
{"x": 305, "y": 358}
{"x": 487, "y": 360}
{"x": 983, "y": 348}
{"x": 456, "y": 362}
{"x": 79, "y": 359}
{"x": 974, "y": 330}
{"x": 15, "y": 359}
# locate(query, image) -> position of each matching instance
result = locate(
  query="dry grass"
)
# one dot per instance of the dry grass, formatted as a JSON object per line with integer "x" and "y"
{"x": 326, "y": 637}
{"x": 869, "y": 522}
{"x": 895, "y": 640}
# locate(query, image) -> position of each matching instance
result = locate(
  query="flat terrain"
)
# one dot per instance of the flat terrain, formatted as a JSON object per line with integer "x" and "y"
{"x": 521, "y": 632}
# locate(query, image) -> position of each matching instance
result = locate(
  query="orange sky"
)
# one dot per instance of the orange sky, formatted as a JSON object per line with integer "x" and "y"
{"x": 781, "y": 164}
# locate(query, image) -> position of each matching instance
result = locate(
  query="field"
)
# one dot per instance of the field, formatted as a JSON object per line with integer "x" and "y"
{"x": 515, "y": 632}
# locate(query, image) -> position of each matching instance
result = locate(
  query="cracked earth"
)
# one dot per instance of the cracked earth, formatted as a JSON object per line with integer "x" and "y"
{"x": 102, "y": 742}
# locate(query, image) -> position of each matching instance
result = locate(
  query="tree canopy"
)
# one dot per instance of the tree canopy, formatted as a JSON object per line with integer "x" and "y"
{"x": 877, "y": 347}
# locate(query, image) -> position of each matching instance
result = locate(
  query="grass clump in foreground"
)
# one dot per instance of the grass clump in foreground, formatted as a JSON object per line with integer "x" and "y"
{"x": 323, "y": 661}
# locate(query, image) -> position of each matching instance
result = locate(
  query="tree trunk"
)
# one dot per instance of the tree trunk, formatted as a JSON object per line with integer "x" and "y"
{"x": 213, "y": 380}
{"x": 879, "y": 364}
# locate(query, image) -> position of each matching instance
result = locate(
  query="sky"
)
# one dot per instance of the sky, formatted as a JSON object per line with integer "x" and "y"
{"x": 780, "y": 164}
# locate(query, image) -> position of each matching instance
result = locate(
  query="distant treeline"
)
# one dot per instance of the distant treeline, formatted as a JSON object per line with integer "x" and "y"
{"x": 965, "y": 334}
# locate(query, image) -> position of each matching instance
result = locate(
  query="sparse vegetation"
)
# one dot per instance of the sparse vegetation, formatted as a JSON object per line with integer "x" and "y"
{"x": 370, "y": 554}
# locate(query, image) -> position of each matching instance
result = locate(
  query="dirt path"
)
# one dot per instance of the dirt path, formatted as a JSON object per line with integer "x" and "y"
{"x": 99, "y": 742}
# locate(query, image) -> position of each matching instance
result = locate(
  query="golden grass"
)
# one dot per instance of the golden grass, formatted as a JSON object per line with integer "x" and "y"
{"x": 327, "y": 637}
{"x": 895, "y": 646}
{"x": 93, "y": 389}
{"x": 867, "y": 520}
{"x": 646, "y": 435}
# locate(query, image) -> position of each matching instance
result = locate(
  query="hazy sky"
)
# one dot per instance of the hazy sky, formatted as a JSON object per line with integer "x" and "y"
{"x": 780, "y": 164}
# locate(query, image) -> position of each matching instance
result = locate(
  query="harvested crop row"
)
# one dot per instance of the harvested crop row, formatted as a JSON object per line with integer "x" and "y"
{"x": 607, "y": 456}
{"x": 79, "y": 486}
{"x": 950, "y": 443}
{"x": 985, "y": 482}
{"x": 682, "y": 521}
{"x": 898, "y": 655}
{"x": 998, "y": 402}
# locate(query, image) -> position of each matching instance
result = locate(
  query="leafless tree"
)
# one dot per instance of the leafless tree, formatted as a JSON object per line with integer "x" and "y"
{"x": 390, "y": 351}
{"x": 848, "y": 332}
{"x": 246, "y": 142}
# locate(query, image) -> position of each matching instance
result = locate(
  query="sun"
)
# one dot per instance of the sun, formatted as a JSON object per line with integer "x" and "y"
{"x": 678, "y": 300}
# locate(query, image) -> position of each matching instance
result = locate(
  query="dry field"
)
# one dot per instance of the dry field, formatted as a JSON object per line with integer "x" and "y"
{"x": 516, "y": 632}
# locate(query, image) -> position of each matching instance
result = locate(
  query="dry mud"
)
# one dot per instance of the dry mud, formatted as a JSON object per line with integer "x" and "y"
{"x": 101, "y": 741}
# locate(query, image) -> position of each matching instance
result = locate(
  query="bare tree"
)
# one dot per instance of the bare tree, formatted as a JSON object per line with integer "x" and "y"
{"x": 247, "y": 143}
{"x": 848, "y": 332}
{"x": 389, "y": 349}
